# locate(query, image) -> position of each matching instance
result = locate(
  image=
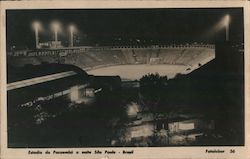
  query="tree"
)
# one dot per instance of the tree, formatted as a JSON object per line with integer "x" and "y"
{"x": 152, "y": 89}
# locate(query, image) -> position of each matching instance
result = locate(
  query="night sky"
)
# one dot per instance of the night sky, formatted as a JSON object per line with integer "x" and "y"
{"x": 124, "y": 26}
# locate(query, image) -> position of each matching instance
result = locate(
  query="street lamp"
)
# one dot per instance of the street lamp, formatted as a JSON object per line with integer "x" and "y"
{"x": 55, "y": 27}
{"x": 71, "y": 30}
{"x": 36, "y": 26}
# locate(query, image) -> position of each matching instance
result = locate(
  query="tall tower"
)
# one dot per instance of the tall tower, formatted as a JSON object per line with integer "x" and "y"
{"x": 36, "y": 27}
{"x": 71, "y": 37}
{"x": 227, "y": 23}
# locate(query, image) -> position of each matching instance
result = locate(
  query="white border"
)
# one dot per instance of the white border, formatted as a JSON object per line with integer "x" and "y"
{"x": 242, "y": 152}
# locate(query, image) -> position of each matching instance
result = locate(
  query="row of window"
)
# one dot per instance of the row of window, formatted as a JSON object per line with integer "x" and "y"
{"x": 52, "y": 96}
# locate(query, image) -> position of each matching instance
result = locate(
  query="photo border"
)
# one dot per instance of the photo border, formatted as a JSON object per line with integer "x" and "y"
{"x": 241, "y": 152}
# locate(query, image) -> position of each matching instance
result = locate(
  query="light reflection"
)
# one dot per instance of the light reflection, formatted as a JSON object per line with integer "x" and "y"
{"x": 132, "y": 109}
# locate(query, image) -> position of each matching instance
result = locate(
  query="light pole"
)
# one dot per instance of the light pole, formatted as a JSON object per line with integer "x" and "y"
{"x": 55, "y": 27}
{"x": 36, "y": 27}
{"x": 71, "y": 30}
{"x": 226, "y": 23}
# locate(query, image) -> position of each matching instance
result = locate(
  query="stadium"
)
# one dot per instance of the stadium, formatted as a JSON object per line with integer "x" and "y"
{"x": 120, "y": 60}
{"x": 134, "y": 92}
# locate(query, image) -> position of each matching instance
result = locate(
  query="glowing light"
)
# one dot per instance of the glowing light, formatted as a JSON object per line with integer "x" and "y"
{"x": 133, "y": 109}
{"x": 226, "y": 20}
{"x": 72, "y": 30}
{"x": 74, "y": 94}
{"x": 142, "y": 130}
{"x": 56, "y": 27}
{"x": 226, "y": 24}
{"x": 36, "y": 26}
{"x": 186, "y": 126}
{"x": 222, "y": 25}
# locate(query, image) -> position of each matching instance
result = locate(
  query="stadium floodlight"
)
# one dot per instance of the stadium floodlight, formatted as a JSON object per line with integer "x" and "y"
{"x": 55, "y": 27}
{"x": 36, "y": 26}
{"x": 226, "y": 22}
{"x": 222, "y": 25}
{"x": 71, "y": 30}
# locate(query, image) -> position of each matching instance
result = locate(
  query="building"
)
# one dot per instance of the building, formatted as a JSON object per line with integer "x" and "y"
{"x": 51, "y": 44}
{"x": 37, "y": 93}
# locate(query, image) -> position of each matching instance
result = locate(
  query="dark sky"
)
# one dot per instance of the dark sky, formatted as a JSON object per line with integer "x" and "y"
{"x": 105, "y": 26}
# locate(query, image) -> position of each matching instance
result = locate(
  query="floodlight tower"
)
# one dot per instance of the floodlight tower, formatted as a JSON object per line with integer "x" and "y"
{"x": 55, "y": 27}
{"x": 71, "y": 40}
{"x": 36, "y": 26}
{"x": 226, "y": 24}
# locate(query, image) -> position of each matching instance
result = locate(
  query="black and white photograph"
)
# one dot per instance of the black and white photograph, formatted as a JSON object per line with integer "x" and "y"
{"x": 125, "y": 77}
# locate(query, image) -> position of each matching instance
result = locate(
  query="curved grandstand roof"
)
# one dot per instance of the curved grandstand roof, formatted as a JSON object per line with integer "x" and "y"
{"x": 33, "y": 71}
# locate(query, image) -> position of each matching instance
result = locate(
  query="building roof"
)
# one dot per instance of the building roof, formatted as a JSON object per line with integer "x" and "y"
{"x": 30, "y": 82}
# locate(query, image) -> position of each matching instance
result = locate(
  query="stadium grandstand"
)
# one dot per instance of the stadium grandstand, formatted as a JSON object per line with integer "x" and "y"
{"x": 189, "y": 57}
